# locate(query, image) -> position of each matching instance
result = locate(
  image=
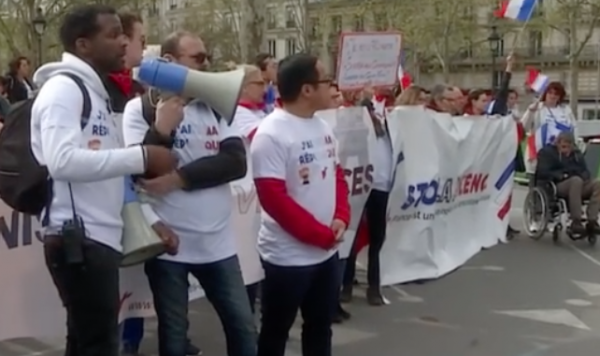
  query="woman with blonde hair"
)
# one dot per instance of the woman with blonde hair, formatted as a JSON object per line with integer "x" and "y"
{"x": 413, "y": 95}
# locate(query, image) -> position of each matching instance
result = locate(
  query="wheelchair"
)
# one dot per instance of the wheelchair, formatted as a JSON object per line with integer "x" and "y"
{"x": 545, "y": 212}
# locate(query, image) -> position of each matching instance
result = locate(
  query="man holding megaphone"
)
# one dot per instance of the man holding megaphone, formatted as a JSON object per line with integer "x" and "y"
{"x": 194, "y": 200}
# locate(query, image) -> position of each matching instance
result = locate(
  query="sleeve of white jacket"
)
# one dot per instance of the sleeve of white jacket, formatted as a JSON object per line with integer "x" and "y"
{"x": 57, "y": 108}
{"x": 134, "y": 124}
{"x": 134, "y": 129}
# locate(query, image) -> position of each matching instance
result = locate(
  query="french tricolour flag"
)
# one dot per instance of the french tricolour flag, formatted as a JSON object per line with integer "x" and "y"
{"x": 519, "y": 10}
{"x": 404, "y": 78}
{"x": 545, "y": 135}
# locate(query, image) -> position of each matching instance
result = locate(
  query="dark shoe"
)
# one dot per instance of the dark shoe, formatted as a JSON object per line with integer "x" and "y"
{"x": 511, "y": 232}
{"x": 593, "y": 228}
{"x": 577, "y": 228}
{"x": 346, "y": 294}
{"x": 340, "y": 315}
{"x": 343, "y": 313}
{"x": 374, "y": 297}
{"x": 130, "y": 350}
{"x": 192, "y": 350}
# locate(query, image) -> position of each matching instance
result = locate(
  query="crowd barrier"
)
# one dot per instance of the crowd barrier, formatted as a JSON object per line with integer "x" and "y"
{"x": 452, "y": 186}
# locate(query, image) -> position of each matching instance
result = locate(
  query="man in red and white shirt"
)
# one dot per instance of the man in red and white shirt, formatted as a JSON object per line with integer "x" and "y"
{"x": 305, "y": 210}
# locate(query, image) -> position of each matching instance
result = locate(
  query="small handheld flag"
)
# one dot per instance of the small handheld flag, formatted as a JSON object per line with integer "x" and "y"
{"x": 519, "y": 10}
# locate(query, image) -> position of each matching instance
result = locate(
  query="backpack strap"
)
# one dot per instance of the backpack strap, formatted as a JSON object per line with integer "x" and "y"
{"x": 149, "y": 100}
{"x": 86, "y": 111}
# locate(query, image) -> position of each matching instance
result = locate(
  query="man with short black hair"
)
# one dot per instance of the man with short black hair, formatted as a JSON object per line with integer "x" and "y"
{"x": 74, "y": 136}
{"x": 305, "y": 210}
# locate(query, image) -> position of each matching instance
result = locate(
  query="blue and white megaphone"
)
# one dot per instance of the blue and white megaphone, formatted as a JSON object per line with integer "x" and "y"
{"x": 220, "y": 91}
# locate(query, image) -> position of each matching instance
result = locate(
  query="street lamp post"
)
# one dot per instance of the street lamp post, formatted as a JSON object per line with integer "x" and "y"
{"x": 39, "y": 26}
{"x": 494, "y": 42}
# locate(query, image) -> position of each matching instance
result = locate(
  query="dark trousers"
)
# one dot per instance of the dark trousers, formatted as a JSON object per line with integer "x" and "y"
{"x": 224, "y": 287}
{"x": 314, "y": 290}
{"x": 376, "y": 211}
{"x": 90, "y": 294}
{"x": 133, "y": 333}
{"x": 252, "y": 291}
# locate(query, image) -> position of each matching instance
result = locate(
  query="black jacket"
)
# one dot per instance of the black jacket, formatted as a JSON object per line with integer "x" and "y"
{"x": 17, "y": 91}
{"x": 555, "y": 167}
{"x": 501, "y": 97}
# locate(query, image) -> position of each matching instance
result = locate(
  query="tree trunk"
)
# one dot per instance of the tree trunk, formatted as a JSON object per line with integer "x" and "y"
{"x": 573, "y": 61}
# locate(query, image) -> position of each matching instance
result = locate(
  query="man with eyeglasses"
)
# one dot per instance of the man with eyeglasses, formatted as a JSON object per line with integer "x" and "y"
{"x": 195, "y": 201}
{"x": 446, "y": 98}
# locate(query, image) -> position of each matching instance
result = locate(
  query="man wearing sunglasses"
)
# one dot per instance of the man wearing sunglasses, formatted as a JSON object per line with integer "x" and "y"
{"x": 195, "y": 201}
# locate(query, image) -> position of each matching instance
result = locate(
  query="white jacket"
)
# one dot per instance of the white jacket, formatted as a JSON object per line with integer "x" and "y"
{"x": 91, "y": 159}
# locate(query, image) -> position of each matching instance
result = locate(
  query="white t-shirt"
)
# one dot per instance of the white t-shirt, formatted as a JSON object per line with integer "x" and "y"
{"x": 201, "y": 218}
{"x": 383, "y": 161}
{"x": 302, "y": 153}
{"x": 246, "y": 121}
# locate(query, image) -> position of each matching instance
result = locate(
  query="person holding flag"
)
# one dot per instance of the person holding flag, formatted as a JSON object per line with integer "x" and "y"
{"x": 546, "y": 117}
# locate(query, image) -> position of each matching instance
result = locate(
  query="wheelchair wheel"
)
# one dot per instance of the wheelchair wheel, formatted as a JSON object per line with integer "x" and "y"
{"x": 536, "y": 213}
{"x": 592, "y": 239}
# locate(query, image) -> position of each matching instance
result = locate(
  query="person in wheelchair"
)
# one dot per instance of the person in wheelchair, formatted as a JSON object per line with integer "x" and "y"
{"x": 562, "y": 164}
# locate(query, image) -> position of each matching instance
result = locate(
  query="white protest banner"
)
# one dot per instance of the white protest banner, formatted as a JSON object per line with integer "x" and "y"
{"x": 453, "y": 179}
{"x": 368, "y": 58}
{"x": 355, "y": 138}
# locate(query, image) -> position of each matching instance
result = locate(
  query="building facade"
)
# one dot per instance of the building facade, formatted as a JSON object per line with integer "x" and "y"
{"x": 223, "y": 24}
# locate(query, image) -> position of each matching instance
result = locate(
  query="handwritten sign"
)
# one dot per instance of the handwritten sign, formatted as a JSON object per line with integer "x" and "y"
{"x": 368, "y": 59}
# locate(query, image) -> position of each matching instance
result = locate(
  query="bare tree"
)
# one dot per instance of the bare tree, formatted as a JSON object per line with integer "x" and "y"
{"x": 218, "y": 22}
{"x": 576, "y": 20}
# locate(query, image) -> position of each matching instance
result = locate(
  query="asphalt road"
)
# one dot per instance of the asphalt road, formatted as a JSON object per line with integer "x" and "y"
{"x": 526, "y": 298}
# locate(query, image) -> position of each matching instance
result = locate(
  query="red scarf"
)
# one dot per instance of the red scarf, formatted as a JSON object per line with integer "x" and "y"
{"x": 383, "y": 98}
{"x": 252, "y": 106}
{"x": 123, "y": 80}
{"x": 347, "y": 104}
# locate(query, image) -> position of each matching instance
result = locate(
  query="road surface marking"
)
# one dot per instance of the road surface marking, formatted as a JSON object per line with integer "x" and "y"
{"x": 404, "y": 296}
{"x": 585, "y": 255}
{"x": 483, "y": 268}
{"x": 579, "y": 302}
{"x": 591, "y": 289}
{"x": 551, "y": 316}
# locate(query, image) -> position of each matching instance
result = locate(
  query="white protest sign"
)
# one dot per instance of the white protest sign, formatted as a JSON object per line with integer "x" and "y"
{"x": 368, "y": 58}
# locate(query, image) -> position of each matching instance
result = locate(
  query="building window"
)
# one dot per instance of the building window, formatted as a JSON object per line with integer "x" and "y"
{"x": 591, "y": 114}
{"x": 535, "y": 43}
{"x": 271, "y": 18}
{"x": 290, "y": 17}
{"x": 336, "y": 24}
{"x": 380, "y": 21}
{"x": 314, "y": 27}
{"x": 290, "y": 46}
{"x": 273, "y": 48}
{"x": 172, "y": 4}
{"x": 359, "y": 23}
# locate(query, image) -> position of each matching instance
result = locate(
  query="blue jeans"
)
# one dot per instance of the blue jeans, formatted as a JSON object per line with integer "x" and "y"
{"x": 224, "y": 287}
{"x": 314, "y": 290}
{"x": 133, "y": 332}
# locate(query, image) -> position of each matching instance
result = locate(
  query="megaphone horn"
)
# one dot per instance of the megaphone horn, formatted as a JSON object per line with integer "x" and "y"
{"x": 140, "y": 242}
{"x": 220, "y": 91}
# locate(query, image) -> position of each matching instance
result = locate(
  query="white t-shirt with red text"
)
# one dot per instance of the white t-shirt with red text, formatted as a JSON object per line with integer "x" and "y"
{"x": 302, "y": 153}
{"x": 200, "y": 218}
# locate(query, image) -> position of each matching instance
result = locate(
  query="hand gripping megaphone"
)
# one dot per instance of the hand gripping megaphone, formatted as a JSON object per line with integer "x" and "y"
{"x": 220, "y": 91}
{"x": 140, "y": 242}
